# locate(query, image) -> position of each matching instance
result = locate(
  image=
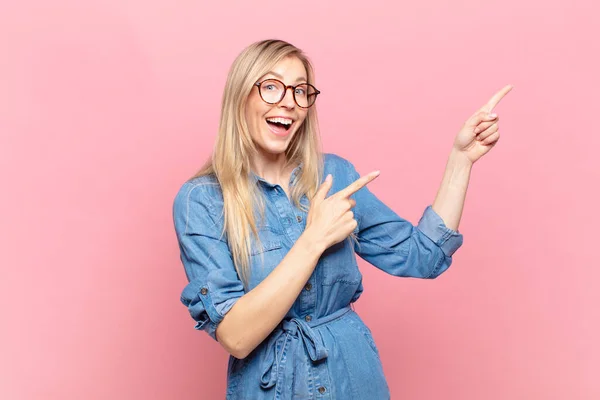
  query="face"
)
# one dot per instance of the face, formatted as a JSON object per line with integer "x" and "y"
{"x": 272, "y": 138}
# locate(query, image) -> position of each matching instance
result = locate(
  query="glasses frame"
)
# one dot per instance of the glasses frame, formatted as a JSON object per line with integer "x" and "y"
{"x": 286, "y": 87}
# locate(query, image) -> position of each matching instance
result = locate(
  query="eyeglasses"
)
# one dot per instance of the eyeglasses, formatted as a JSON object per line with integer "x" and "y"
{"x": 272, "y": 91}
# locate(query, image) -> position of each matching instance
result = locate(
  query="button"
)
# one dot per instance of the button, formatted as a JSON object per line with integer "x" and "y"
{"x": 308, "y": 286}
{"x": 321, "y": 389}
{"x": 308, "y": 318}
{"x": 299, "y": 218}
{"x": 203, "y": 290}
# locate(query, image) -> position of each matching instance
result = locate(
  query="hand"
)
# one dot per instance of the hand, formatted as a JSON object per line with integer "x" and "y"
{"x": 331, "y": 220}
{"x": 480, "y": 132}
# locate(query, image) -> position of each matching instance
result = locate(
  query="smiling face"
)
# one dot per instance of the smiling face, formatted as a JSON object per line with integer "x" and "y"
{"x": 267, "y": 122}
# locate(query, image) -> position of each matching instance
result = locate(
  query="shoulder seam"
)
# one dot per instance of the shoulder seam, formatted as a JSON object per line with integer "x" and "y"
{"x": 208, "y": 205}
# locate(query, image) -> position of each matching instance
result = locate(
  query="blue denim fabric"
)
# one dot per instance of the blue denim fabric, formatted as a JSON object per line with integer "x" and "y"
{"x": 322, "y": 348}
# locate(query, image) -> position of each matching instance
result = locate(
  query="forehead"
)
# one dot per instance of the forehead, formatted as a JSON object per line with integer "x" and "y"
{"x": 290, "y": 69}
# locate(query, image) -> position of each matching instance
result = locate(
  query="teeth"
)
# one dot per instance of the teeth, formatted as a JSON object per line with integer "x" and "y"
{"x": 285, "y": 121}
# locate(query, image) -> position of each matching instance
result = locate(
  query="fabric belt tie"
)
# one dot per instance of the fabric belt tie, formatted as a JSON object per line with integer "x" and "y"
{"x": 272, "y": 367}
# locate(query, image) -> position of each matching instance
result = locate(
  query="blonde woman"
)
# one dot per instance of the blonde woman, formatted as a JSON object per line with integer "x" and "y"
{"x": 268, "y": 231}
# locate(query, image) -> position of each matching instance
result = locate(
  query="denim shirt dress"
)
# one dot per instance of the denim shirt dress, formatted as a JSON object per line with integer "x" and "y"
{"x": 321, "y": 349}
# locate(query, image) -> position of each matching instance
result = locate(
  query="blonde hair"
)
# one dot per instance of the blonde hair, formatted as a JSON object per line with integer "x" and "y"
{"x": 234, "y": 148}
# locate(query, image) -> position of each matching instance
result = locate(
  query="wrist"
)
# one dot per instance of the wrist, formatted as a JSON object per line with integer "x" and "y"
{"x": 459, "y": 159}
{"x": 312, "y": 243}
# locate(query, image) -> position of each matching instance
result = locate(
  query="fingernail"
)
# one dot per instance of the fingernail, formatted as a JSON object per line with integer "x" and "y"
{"x": 328, "y": 178}
{"x": 376, "y": 173}
{"x": 492, "y": 115}
{"x": 476, "y": 130}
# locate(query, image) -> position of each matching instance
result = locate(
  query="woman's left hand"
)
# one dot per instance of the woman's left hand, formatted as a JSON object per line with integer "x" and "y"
{"x": 480, "y": 132}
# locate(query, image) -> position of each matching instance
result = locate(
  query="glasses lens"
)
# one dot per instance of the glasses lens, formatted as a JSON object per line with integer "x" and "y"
{"x": 305, "y": 95}
{"x": 271, "y": 91}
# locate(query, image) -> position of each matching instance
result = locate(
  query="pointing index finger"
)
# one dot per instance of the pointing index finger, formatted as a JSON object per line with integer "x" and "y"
{"x": 493, "y": 102}
{"x": 358, "y": 184}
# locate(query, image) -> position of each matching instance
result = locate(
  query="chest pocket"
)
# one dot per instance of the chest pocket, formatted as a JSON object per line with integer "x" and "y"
{"x": 263, "y": 259}
{"x": 339, "y": 264}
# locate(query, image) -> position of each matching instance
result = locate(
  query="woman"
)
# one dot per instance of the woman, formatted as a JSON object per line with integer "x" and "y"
{"x": 269, "y": 227}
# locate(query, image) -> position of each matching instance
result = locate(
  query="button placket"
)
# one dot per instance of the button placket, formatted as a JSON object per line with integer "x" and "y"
{"x": 308, "y": 297}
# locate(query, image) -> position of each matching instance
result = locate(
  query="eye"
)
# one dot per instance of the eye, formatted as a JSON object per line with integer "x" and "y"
{"x": 270, "y": 86}
{"x": 301, "y": 91}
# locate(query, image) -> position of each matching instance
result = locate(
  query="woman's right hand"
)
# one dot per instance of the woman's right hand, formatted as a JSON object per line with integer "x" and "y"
{"x": 331, "y": 220}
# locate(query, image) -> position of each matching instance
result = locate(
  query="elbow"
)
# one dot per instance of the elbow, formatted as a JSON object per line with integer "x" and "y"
{"x": 432, "y": 276}
{"x": 241, "y": 349}
{"x": 232, "y": 345}
{"x": 237, "y": 353}
{"x": 240, "y": 353}
{"x": 440, "y": 266}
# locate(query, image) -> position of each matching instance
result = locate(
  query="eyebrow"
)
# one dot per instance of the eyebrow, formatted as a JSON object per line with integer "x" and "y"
{"x": 301, "y": 79}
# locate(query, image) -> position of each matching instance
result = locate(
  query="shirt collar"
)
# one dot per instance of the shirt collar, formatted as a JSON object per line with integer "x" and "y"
{"x": 295, "y": 172}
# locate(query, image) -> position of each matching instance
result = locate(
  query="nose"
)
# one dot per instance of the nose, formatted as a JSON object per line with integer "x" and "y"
{"x": 288, "y": 98}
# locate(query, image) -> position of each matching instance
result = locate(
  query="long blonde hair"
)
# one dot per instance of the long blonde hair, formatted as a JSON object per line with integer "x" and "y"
{"x": 234, "y": 147}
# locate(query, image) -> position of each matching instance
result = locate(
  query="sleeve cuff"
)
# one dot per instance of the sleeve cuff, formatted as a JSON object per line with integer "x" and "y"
{"x": 212, "y": 303}
{"x": 433, "y": 226}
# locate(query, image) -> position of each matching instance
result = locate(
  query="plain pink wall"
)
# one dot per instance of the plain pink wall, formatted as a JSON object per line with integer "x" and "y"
{"x": 106, "y": 107}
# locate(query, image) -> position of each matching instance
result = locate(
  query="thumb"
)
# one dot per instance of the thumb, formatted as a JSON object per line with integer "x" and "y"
{"x": 324, "y": 188}
{"x": 480, "y": 117}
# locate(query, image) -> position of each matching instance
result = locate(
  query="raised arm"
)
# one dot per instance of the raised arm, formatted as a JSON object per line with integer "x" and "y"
{"x": 477, "y": 137}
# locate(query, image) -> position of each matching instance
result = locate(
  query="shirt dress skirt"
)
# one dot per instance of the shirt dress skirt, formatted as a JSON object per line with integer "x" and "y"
{"x": 321, "y": 349}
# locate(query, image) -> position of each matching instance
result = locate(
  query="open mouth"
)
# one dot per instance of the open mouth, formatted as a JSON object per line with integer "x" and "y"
{"x": 279, "y": 125}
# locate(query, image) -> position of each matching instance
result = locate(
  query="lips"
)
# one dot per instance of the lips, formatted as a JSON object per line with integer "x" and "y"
{"x": 279, "y": 129}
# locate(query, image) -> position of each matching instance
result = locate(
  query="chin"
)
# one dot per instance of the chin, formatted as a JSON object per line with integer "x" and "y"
{"x": 274, "y": 149}
{"x": 275, "y": 145}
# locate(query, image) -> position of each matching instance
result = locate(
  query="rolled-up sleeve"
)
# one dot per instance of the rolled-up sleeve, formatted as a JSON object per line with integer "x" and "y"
{"x": 432, "y": 225}
{"x": 213, "y": 283}
{"x": 394, "y": 244}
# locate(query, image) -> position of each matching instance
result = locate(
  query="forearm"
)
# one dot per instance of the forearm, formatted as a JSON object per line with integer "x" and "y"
{"x": 450, "y": 198}
{"x": 257, "y": 313}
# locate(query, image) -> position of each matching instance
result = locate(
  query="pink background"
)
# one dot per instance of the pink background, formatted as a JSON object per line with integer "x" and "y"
{"x": 106, "y": 107}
